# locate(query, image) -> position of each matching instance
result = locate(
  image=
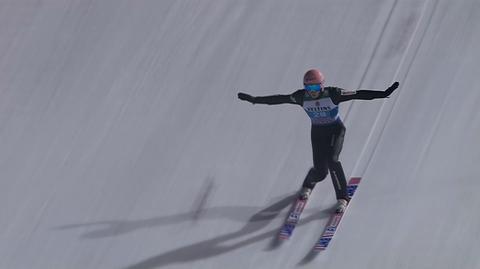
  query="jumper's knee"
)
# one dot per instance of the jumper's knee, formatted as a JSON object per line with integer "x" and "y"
{"x": 314, "y": 176}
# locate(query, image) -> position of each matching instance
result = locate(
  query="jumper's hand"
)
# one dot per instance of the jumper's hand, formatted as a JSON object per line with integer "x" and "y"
{"x": 246, "y": 97}
{"x": 392, "y": 88}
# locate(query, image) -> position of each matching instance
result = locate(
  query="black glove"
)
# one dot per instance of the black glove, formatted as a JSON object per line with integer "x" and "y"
{"x": 392, "y": 88}
{"x": 246, "y": 97}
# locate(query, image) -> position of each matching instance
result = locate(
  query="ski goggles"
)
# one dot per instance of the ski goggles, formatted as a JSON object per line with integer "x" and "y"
{"x": 313, "y": 87}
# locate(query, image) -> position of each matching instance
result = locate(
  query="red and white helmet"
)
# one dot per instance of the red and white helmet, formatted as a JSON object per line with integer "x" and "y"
{"x": 313, "y": 76}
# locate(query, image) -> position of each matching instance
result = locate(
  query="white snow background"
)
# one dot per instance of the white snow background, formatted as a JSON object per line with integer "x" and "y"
{"x": 123, "y": 144}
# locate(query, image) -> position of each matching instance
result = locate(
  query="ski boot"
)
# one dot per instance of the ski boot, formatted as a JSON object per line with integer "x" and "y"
{"x": 305, "y": 193}
{"x": 341, "y": 205}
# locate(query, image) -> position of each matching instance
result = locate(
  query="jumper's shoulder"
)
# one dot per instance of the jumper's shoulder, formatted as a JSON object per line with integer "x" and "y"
{"x": 341, "y": 91}
{"x": 334, "y": 90}
{"x": 297, "y": 96}
{"x": 335, "y": 93}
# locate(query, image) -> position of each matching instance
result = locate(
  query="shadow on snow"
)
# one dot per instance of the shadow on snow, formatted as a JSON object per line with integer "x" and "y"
{"x": 207, "y": 248}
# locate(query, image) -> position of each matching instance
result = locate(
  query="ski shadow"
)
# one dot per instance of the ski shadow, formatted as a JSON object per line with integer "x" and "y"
{"x": 219, "y": 245}
{"x": 111, "y": 228}
{"x": 312, "y": 255}
{"x": 208, "y": 248}
{"x": 276, "y": 242}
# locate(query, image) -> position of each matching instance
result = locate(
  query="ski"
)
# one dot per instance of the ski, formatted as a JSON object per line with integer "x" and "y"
{"x": 335, "y": 219}
{"x": 292, "y": 219}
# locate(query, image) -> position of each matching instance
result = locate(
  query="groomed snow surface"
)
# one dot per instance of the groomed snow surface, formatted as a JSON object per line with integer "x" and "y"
{"x": 123, "y": 145}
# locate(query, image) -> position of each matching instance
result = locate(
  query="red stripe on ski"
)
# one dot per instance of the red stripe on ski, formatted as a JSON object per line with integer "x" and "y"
{"x": 292, "y": 219}
{"x": 334, "y": 221}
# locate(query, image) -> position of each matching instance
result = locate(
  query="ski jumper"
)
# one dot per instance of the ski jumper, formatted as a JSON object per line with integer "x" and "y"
{"x": 327, "y": 131}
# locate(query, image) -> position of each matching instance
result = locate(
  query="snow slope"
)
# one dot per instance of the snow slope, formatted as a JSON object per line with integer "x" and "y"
{"x": 123, "y": 145}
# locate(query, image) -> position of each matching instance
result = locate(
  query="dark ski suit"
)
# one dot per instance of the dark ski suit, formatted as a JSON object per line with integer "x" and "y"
{"x": 327, "y": 132}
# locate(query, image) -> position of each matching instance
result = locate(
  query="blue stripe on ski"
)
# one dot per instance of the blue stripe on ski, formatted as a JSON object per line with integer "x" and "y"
{"x": 292, "y": 219}
{"x": 334, "y": 221}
